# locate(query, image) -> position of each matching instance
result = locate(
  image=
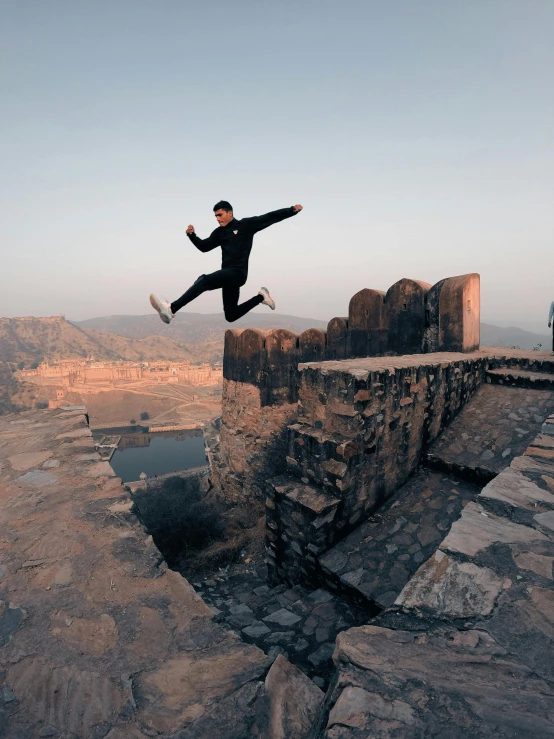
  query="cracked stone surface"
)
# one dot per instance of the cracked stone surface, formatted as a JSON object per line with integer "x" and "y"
{"x": 97, "y": 637}
{"x": 495, "y": 426}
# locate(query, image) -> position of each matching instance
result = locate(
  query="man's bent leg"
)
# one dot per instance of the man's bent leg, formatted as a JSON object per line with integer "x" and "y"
{"x": 213, "y": 281}
{"x": 193, "y": 292}
{"x": 233, "y": 311}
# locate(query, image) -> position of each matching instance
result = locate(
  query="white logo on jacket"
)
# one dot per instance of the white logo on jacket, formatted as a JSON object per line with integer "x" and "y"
{"x": 235, "y": 232}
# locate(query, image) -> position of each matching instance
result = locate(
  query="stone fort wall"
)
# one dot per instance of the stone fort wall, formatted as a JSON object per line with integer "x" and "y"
{"x": 260, "y": 368}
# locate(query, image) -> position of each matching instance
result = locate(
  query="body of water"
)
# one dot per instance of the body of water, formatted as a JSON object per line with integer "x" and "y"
{"x": 157, "y": 454}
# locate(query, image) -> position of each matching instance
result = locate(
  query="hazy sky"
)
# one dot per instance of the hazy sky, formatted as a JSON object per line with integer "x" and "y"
{"x": 418, "y": 135}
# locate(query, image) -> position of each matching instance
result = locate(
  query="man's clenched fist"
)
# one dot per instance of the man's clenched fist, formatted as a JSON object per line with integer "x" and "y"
{"x": 190, "y": 229}
{"x": 297, "y": 208}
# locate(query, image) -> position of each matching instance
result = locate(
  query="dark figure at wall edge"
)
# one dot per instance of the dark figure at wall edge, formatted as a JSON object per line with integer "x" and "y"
{"x": 550, "y": 317}
{"x": 235, "y": 237}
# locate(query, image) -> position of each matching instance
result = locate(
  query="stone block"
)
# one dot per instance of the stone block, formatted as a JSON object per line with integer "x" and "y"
{"x": 292, "y": 703}
{"x": 459, "y": 314}
{"x": 477, "y": 529}
{"x": 445, "y": 683}
{"x": 231, "y": 358}
{"x": 447, "y": 588}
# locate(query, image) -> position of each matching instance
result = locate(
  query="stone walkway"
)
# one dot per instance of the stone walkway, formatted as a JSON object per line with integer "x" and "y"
{"x": 495, "y": 426}
{"x": 375, "y": 562}
{"x": 299, "y": 623}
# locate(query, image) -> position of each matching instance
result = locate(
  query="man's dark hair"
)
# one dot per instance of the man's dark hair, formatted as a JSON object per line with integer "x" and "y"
{"x": 223, "y": 205}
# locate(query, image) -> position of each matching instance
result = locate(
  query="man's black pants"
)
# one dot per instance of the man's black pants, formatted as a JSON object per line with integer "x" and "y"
{"x": 230, "y": 281}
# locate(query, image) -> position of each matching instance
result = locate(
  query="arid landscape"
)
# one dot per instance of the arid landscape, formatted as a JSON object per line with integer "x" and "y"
{"x": 196, "y": 338}
{"x": 119, "y": 342}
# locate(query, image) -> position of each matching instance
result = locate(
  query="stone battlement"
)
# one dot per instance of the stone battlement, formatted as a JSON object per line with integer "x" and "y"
{"x": 261, "y": 380}
{"x": 412, "y": 317}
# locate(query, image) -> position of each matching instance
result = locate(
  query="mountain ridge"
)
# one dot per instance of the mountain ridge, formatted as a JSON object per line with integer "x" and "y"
{"x": 193, "y": 337}
{"x": 31, "y": 339}
{"x": 193, "y": 327}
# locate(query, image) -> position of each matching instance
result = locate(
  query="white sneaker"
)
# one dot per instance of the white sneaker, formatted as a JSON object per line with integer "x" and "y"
{"x": 163, "y": 307}
{"x": 267, "y": 299}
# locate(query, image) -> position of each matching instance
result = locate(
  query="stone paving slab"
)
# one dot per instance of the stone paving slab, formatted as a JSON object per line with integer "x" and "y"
{"x": 375, "y": 562}
{"x": 97, "y": 637}
{"x": 468, "y": 648}
{"x": 495, "y": 426}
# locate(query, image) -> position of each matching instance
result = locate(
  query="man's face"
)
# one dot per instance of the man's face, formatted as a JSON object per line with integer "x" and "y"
{"x": 224, "y": 216}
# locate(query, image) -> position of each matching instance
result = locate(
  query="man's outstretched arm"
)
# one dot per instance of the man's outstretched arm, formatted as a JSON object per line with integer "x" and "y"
{"x": 258, "y": 223}
{"x": 550, "y": 314}
{"x": 203, "y": 244}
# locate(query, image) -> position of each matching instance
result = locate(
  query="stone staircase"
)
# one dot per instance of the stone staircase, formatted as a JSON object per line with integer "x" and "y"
{"x": 347, "y": 515}
{"x": 375, "y": 562}
{"x": 359, "y": 435}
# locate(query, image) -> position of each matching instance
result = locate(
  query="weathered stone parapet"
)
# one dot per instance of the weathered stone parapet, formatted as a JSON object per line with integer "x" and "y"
{"x": 261, "y": 381}
{"x": 300, "y": 525}
{"x": 361, "y": 430}
{"x": 410, "y": 318}
{"x": 362, "y": 425}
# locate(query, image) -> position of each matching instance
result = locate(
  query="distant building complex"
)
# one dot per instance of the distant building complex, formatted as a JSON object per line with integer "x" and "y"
{"x": 74, "y": 372}
{"x": 87, "y": 375}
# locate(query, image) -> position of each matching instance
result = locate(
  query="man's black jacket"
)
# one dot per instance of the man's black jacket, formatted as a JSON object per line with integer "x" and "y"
{"x": 235, "y": 239}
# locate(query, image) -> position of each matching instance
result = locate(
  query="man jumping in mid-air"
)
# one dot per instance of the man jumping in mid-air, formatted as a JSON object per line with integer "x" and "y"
{"x": 235, "y": 239}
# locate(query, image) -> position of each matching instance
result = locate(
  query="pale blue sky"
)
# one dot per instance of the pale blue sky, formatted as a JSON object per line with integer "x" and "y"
{"x": 418, "y": 135}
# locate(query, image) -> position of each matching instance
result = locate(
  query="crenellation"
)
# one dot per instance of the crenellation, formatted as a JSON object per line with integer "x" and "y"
{"x": 337, "y": 338}
{"x": 312, "y": 345}
{"x": 405, "y": 313}
{"x": 281, "y": 359}
{"x": 367, "y": 334}
{"x": 412, "y": 317}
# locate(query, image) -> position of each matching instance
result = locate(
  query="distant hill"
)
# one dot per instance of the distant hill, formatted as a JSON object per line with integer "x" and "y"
{"x": 35, "y": 339}
{"x": 199, "y": 327}
{"x": 193, "y": 336}
{"x": 194, "y": 328}
{"x": 513, "y": 336}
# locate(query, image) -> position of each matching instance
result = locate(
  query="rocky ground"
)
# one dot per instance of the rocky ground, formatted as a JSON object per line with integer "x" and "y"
{"x": 299, "y": 623}
{"x": 98, "y": 639}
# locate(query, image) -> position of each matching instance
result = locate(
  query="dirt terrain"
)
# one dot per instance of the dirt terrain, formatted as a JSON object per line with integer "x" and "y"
{"x": 164, "y": 404}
